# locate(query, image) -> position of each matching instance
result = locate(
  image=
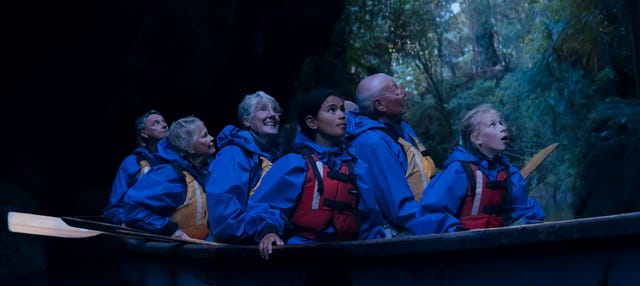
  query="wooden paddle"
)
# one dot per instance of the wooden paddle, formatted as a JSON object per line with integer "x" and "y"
{"x": 537, "y": 159}
{"x": 58, "y": 227}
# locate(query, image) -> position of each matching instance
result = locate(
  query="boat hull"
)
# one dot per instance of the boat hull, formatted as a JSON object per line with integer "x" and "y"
{"x": 592, "y": 251}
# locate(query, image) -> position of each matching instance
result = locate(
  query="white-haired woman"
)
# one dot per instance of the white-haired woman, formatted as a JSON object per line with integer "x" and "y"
{"x": 245, "y": 154}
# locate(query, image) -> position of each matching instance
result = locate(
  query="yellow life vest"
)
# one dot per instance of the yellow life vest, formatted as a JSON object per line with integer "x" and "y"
{"x": 266, "y": 165}
{"x": 192, "y": 215}
{"x": 144, "y": 167}
{"x": 420, "y": 167}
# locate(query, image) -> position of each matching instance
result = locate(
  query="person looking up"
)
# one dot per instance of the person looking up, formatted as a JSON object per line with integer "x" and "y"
{"x": 318, "y": 193}
{"x": 479, "y": 188}
{"x": 169, "y": 199}
{"x": 244, "y": 156}
{"x": 150, "y": 127}
{"x": 399, "y": 165}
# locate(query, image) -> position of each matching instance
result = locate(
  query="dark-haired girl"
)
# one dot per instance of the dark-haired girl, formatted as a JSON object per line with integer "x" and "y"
{"x": 315, "y": 194}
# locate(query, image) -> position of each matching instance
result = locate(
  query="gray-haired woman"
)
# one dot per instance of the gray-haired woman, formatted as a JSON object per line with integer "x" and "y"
{"x": 244, "y": 157}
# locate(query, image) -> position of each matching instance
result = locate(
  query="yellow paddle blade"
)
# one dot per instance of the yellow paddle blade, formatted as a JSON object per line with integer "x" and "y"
{"x": 45, "y": 225}
{"x": 535, "y": 161}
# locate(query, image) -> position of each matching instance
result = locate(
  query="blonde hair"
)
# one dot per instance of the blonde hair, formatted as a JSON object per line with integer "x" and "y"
{"x": 182, "y": 134}
{"x": 470, "y": 123}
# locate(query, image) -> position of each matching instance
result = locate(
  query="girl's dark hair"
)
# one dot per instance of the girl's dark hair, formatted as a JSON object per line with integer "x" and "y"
{"x": 310, "y": 105}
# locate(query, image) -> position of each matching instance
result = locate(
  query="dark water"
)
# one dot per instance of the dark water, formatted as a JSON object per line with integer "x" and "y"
{"x": 68, "y": 261}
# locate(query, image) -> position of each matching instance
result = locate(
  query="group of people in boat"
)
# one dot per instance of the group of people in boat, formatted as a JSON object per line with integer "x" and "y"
{"x": 342, "y": 172}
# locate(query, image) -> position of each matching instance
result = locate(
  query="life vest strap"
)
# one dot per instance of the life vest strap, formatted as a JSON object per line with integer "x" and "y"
{"x": 338, "y": 205}
{"x": 493, "y": 210}
{"x": 502, "y": 185}
{"x": 339, "y": 176}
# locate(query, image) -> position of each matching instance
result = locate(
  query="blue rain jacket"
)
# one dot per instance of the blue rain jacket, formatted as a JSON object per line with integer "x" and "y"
{"x": 150, "y": 202}
{"x": 235, "y": 171}
{"x": 277, "y": 196}
{"x": 127, "y": 175}
{"x": 385, "y": 175}
{"x": 445, "y": 193}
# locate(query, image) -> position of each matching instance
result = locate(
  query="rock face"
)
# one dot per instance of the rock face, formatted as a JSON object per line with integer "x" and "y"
{"x": 610, "y": 168}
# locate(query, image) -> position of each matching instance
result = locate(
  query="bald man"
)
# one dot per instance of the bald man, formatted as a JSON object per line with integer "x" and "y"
{"x": 399, "y": 166}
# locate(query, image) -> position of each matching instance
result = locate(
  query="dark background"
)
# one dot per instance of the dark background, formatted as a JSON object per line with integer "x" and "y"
{"x": 77, "y": 74}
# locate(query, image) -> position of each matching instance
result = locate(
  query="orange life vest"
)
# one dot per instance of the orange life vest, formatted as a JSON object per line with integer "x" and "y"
{"x": 192, "y": 216}
{"x": 265, "y": 166}
{"x": 328, "y": 197}
{"x": 420, "y": 166}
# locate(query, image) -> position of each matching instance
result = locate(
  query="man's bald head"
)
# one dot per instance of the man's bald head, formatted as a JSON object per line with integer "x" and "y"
{"x": 368, "y": 89}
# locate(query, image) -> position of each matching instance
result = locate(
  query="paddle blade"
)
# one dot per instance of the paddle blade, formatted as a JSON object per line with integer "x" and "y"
{"x": 535, "y": 161}
{"x": 45, "y": 225}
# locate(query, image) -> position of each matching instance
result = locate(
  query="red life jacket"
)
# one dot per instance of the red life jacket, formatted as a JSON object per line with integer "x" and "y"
{"x": 484, "y": 203}
{"x": 328, "y": 197}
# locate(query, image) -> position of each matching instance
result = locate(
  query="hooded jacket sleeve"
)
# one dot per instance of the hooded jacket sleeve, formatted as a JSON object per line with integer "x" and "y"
{"x": 443, "y": 196}
{"x": 150, "y": 202}
{"x": 126, "y": 176}
{"x": 372, "y": 223}
{"x": 386, "y": 175}
{"x": 228, "y": 193}
{"x": 274, "y": 200}
{"x": 523, "y": 209}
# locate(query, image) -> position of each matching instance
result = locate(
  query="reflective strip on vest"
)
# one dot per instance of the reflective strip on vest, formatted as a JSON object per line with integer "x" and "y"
{"x": 316, "y": 195}
{"x": 478, "y": 192}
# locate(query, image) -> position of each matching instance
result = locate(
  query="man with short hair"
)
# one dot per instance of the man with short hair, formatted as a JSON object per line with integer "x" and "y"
{"x": 150, "y": 127}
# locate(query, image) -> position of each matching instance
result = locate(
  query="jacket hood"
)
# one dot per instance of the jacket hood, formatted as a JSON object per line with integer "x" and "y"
{"x": 328, "y": 155}
{"x": 231, "y": 135}
{"x": 167, "y": 154}
{"x": 358, "y": 123}
{"x": 461, "y": 154}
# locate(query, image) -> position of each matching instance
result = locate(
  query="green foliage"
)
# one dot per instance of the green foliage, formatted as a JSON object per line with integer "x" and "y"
{"x": 556, "y": 66}
{"x": 369, "y": 46}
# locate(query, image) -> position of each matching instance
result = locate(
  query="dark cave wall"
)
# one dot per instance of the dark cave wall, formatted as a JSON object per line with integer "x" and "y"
{"x": 77, "y": 74}
{"x": 80, "y": 72}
